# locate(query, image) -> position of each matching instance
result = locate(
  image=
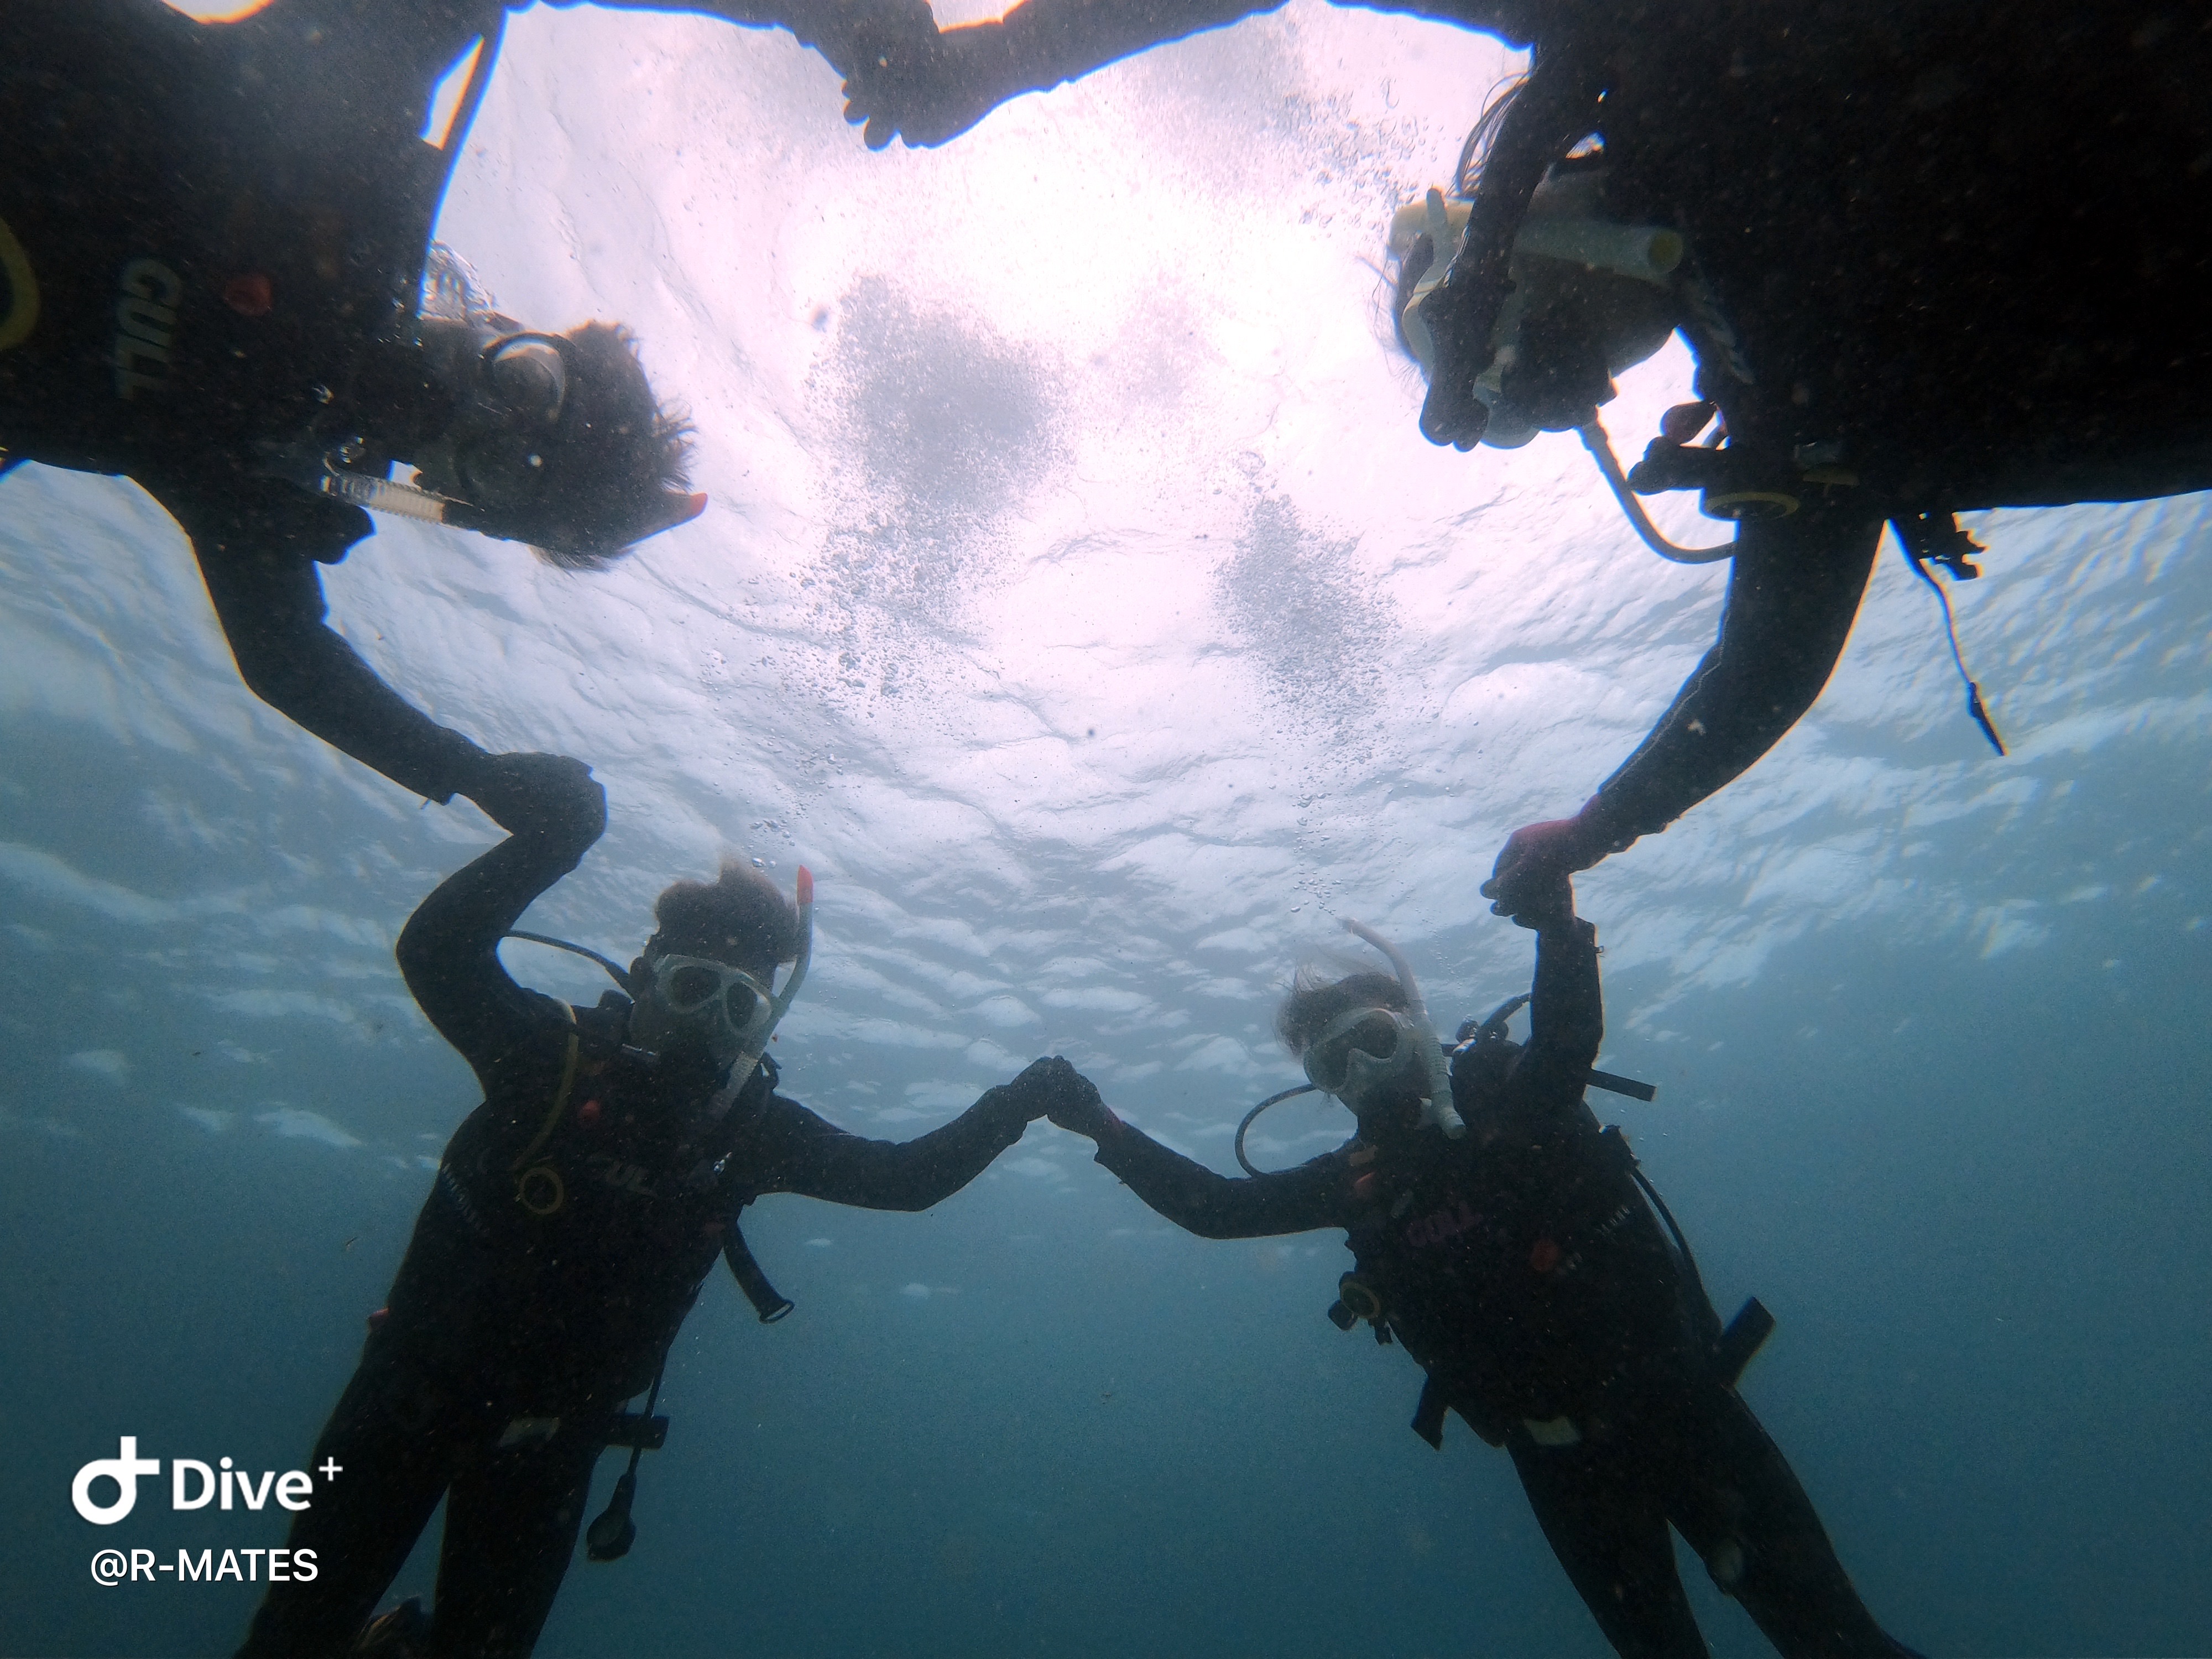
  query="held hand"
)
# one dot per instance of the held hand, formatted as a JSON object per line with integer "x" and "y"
{"x": 544, "y": 794}
{"x": 1531, "y": 882}
{"x": 922, "y": 85}
{"x": 1052, "y": 1088}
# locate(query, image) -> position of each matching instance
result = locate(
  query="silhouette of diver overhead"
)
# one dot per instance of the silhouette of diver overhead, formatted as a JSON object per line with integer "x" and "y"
{"x": 1505, "y": 1243}
{"x": 1928, "y": 257}
{"x": 574, "y": 1219}
{"x": 217, "y": 278}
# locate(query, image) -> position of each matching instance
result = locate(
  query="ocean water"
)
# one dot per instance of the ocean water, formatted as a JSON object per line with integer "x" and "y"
{"x": 1079, "y": 601}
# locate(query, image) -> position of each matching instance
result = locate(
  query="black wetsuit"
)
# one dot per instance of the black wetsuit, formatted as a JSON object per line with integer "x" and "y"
{"x": 550, "y": 1268}
{"x": 225, "y": 224}
{"x": 1523, "y": 1269}
{"x": 211, "y": 240}
{"x": 1963, "y": 253}
{"x": 1958, "y": 253}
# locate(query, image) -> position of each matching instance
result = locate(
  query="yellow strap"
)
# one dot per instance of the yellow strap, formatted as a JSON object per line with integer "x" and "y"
{"x": 21, "y": 315}
{"x": 560, "y": 1097}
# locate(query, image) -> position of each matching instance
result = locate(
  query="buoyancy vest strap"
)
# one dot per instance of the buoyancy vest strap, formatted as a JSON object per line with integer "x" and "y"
{"x": 1429, "y": 1415}
{"x": 767, "y": 1302}
{"x": 1729, "y": 1349}
{"x": 560, "y": 1096}
{"x": 1936, "y": 538}
{"x": 1739, "y": 1343}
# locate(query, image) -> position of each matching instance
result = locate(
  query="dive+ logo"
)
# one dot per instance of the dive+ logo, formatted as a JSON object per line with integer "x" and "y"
{"x": 192, "y": 1484}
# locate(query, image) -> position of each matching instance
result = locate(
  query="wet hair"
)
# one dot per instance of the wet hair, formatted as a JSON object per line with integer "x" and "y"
{"x": 1474, "y": 154}
{"x": 740, "y": 917}
{"x": 1315, "y": 999}
{"x": 610, "y": 462}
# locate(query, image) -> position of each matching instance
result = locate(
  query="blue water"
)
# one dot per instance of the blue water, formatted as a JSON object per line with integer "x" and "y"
{"x": 1090, "y": 617}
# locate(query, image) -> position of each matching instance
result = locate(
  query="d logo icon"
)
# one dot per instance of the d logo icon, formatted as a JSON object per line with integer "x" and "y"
{"x": 124, "y": 1469}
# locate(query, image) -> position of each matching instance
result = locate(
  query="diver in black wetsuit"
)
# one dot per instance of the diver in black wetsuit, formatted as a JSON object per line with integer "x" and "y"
{"x": 575, "y": 1215}
{"x": 1503, "y": 1241}
{"x": 213, "y": 242}
{"x": 1930, "y": 257}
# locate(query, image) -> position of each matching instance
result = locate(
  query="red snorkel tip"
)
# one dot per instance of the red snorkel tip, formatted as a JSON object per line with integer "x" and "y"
{"x": 806, "y": 886}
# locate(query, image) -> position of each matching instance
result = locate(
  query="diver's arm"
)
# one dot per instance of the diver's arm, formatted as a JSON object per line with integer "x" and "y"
{"x": 1566, "y": 1011}
{"x": 804, "y": 1154}
{"x": 1794, "y": 590}
{"x": 1503, "y": 18}
{"x": 1197, "y": 1199}
{"x": 1792, "y": 593}
{"x": 449, "y": 951}
{"x": 796, "y": 1152}
{"x": 851, "y": 34}
{"x": 258, "y": 555}
{"x": 931, "y": 87}
{"x": 1040, "y": 44}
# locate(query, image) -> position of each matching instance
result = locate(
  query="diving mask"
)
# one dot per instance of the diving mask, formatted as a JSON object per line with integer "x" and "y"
{"x": 773, "y": 1006}
{"x": 496, "y": 440}
{"x": 1354, "y": 1054}
{"x": 1364, "y": 1054}
{"x": 1566, "y": 231}
{"x": 727, "y": 1006}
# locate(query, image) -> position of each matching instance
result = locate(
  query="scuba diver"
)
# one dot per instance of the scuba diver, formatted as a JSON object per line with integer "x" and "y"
{"x": 1929, "y": 259}
{"x": 217, "y": 279}
{"x": 574, "y": 1217}
{"x": 1505, "y": 1243}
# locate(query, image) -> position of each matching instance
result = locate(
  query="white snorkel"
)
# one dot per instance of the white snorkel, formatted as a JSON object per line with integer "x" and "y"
{"x": 1439, "y": 1110}
{"x": 749, "y": 1059}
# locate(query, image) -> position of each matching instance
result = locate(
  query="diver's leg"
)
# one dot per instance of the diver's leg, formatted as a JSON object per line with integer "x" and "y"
{"x": 390, "y": 1447}
{"x": 1610, "y": 1534}
{"x": 511, "y": 1527}
{"x": 1737, "y": 1501}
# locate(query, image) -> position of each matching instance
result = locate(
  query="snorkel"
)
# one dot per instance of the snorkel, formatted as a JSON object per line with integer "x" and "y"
{"x": 748, "y": 1059}
{"x": 1439, "y": 1111}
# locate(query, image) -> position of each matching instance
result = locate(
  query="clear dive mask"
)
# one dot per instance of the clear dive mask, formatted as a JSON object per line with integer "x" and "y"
{"x": 1365, "y": 1053}
{"x": 494, "y": 449}
{"x": 508, "y": 386}
{"x": 773, "y": 1004}
{"x": 727, "y": 1006}
{"x": 1564, "y": 236}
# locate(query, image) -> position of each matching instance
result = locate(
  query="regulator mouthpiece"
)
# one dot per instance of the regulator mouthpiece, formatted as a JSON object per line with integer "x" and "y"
{"x": 382, "y": 496}
{"x": 1439, "y": 1110}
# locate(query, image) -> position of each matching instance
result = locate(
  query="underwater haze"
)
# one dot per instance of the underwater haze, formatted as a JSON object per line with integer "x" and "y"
{"x": 1080, "y": 602}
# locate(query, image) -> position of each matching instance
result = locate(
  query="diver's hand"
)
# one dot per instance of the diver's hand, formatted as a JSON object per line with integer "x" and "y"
{"x": 926, "y": 86}
{"x": 544, "y": 794}
{"x": 1461, "y": 314}
{"x": 1052, "y": 1088}
{"x": 1451, "y": 413}
{"x": 1530, "y": 880}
